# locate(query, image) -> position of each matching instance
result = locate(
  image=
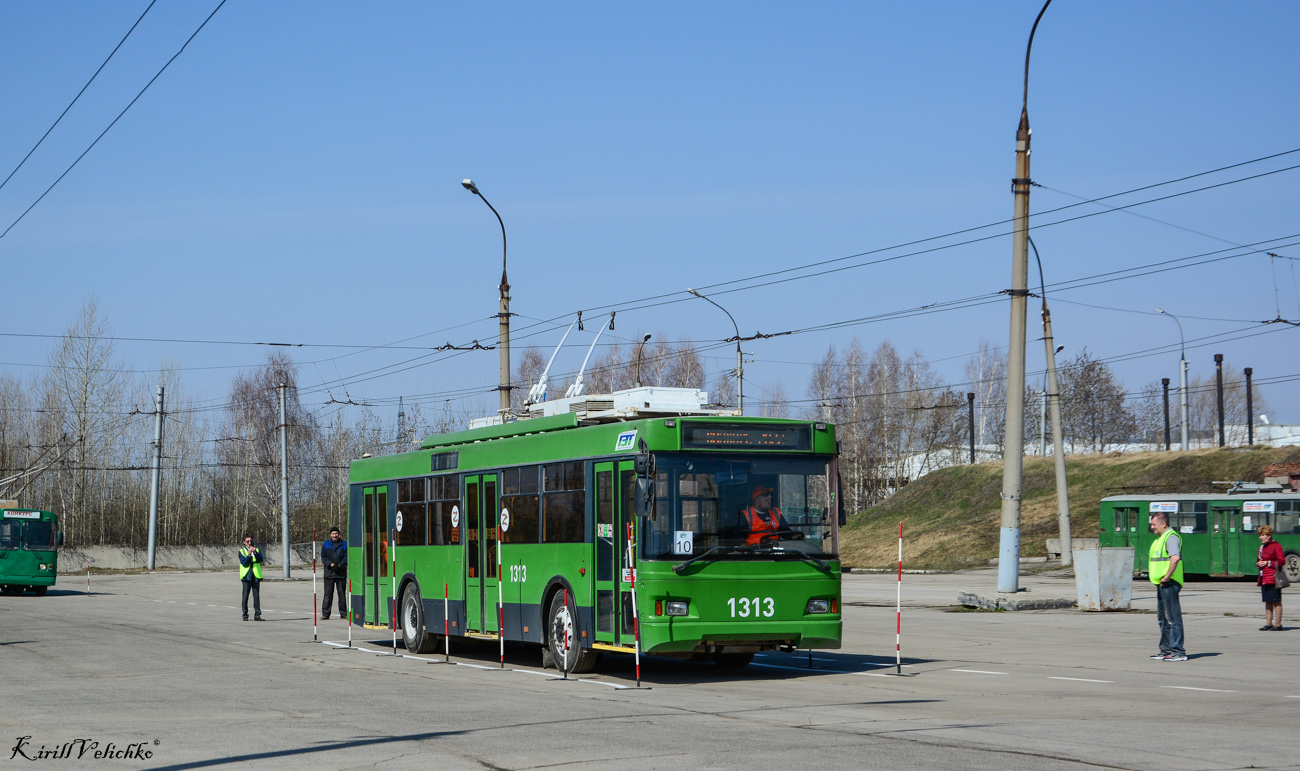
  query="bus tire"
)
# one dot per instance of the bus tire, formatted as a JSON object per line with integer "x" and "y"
{"x": 561, "y": 621}
{"x": 1292, "y": 567}
{"x": 40, "y": 590}
{"x": 415, "y": 633}
{"x": 732, "y": 660}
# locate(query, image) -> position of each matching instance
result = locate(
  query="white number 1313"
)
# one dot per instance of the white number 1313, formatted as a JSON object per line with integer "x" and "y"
{"x": 746, "y": 607}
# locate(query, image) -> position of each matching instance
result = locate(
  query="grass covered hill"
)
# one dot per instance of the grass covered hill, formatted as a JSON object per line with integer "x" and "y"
{"x": 951, "y": 518}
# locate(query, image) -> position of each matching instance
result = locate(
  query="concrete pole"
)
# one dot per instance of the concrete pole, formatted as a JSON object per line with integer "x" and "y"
{"x": 1218, "y": 380}
{"x": 156, "y": 480}
{"x": 1164, "y": 382}
{"x": 1182, "y": 405}
{"x": 740, "y": 374}
{"x": 1013, "y": 447}
{"x": 503, "y": 336}
{"x": 1042, "y": 424}
{"x": 1058, "y": 443}
{"x": 284, "y": 481}
{"x": 1250, "y": 409}
{"x": 970, "y": 406}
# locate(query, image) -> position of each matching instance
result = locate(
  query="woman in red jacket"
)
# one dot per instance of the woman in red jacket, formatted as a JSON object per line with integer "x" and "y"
{"x": 1271, "y": 560}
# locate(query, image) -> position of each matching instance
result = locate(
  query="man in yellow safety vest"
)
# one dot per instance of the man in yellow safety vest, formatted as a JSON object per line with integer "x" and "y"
{"x": 250, "y": 575}
{"x": 1165, "y": 569}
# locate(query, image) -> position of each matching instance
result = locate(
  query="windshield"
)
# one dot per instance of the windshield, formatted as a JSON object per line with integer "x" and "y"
{"x": 751, "y": 507}
{"x": 38, "y": 536}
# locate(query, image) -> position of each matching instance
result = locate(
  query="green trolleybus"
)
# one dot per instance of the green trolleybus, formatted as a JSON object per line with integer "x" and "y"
{"x": 29, "y": 557}
{"x": 1219, "y": 531}
{"x": 603, "y": 522}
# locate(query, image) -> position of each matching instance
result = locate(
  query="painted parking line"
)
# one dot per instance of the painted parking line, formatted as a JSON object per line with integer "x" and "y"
{"x": 978, "y": 671}
{"x": 1190, "y": 688}
{"x": 1080, "y": 679}
{"x": 615, "y": 686}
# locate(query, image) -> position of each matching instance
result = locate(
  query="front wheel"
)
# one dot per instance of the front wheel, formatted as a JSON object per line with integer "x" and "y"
{"x": 40, "y": 591}
{"x": 415, "y": 632}
{"x": 1292, "y": 567}
{"x": 562, "y": 640}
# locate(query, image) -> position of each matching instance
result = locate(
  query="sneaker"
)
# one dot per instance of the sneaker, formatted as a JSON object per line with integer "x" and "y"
{"x": 1157, "y": 657}
{"x": 259, "y": 618}
{"x": 1176, "y": 657}
{"x": 1277, "y": 629}
{"x": 1266, "y": 629}
{"x": 324, "y": 618}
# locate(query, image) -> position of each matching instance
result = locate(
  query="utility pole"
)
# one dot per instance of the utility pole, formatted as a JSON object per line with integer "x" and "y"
{"x": 1164, "y": 382}
{"x": 1042, "y": 423}
{"x": 503, "y": 315}
{"x": 156, "y": 479}
{"x": 1014, "y": 444}
{"x": 1250, "y": 409}
{"x": 284, "y": 481}
{"x": 1058, "y": 438}
{"x": 970, "y": 406}
{"x": 401, "y": 420}
{"x": 1218, "y": 379}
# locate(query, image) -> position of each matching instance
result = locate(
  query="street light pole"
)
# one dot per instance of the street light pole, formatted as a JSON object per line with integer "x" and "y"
{"x": 1014, "y": 444}
{"x": 503, "y": 333}
{"x": 1182, "y": 379}
{"x": 740, "y": 362}
{"x": 1053, "y": 397}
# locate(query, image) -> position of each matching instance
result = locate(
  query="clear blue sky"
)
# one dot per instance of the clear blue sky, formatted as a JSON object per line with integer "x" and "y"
{"x": 295, "y": 176}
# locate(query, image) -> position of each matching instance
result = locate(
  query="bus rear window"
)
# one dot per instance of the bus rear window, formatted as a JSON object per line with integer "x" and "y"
{"x": 38, "y": 536}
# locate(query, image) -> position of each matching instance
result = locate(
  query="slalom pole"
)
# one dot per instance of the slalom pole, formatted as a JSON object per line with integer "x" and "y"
{"x": 392, "y": 613}
{"x": 314, "y": 630}
{"x": 349, "y": 612}
{"x": 898, "y": 639}
{"x": 446, "y": 619}
{"x": 564, "y": 665}
{"x": 636, "y": 620}
{"x": 87, "y": 582}
{"x": 501, "y": 604}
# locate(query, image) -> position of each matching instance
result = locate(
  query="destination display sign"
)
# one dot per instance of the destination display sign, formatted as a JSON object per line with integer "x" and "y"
{"x": 744, "y": 436}
{"x": 22, "y": 515}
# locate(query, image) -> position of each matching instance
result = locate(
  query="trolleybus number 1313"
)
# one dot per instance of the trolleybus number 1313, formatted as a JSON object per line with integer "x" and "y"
{"x": 764, "y": 606}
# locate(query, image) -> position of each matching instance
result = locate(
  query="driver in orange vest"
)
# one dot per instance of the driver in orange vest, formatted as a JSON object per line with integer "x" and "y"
{"x": 761, "y": 519}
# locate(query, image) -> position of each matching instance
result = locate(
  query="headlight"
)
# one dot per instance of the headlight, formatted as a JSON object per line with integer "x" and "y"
{"x": 678, "y": 607}
{"x": 818, "y": 606}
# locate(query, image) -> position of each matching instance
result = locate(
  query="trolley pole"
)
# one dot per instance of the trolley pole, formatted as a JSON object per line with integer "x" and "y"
{"x": 1250, "y": 409}
{"x": 1218, "y": 381}
{"x": 156, "y": 479}
{"x": 284, "y": 481}
{"x": 1014, "y": 444}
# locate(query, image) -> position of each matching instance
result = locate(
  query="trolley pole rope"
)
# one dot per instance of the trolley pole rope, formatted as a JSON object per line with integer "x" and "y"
{"x": 501, "y": 604}
{"x": 898, "y": 638}
{"x": 314, "y": 629}
{"x": 636, "y": 621}
{"x": 392, "y": 601}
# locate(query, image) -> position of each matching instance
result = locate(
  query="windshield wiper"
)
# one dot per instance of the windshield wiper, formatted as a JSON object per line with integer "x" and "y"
{"x": 794, "y": 553}
{"x": 679, "y": 568}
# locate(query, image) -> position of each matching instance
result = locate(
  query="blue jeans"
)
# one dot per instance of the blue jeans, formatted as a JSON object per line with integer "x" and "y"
{"x": 1170, "y": 615}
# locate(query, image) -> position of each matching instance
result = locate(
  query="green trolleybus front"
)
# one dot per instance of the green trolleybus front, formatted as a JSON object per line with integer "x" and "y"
{"x": 721, "y": 531}
{"x": 28, "y": 550}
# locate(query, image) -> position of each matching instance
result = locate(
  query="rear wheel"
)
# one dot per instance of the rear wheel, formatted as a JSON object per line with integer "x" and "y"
{"x": 40, "y": 590}
{"x": 7, "y": 589}
{"x": 1292, "y": 567}
{"x": 562, "y": 640}
{"x": 415, "y": 632}
{"x": 732, "y": 660}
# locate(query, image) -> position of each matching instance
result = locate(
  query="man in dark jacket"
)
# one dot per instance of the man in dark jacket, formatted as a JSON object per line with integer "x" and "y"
{"x": 334, "y": 556}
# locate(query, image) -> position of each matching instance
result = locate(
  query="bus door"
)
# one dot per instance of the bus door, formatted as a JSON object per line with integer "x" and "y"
{"x": 481, "y": 553}
{"x": 1225, "y": 541}
{"x": 1126, "y": 526}
{"x": 376, "y": 583}
{"x": 613, "y": 578}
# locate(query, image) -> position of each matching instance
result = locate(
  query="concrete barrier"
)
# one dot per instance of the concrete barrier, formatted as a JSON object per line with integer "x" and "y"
{"x": 125, "y": 557}
{"x": 1054, "y": 546}
{"x": 1103, "y": 578}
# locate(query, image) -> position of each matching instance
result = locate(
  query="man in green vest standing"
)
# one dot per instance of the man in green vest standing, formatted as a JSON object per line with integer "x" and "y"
{"x": 1165, "y": 568}
{"x": 250, "y": 575}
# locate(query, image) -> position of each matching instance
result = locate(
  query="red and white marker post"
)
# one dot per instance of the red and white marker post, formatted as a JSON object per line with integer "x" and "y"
{"x": 314, "y": 606}
{"x": 568, "y": 635}
{"x": 636, "y": 621}
{"x": 501, "y": 604}
{"x": 446, "y": 619}
{"x": 898, "y": 639}
{"x": 392, "y": 613}
{"x": 349, "y": 612}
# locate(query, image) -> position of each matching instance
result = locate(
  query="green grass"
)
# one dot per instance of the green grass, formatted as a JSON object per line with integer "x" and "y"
{"x": 952, "y": 517}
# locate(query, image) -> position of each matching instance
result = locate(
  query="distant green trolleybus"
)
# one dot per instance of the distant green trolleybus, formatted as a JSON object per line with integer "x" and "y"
{"x": 29, "y": 557}
{"x": 552, "y": 500}
{"x": 1220, "y": 532}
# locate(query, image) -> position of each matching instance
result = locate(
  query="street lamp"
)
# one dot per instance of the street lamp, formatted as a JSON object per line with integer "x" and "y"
{"x": 639, "y": 352}
{"x": 1182, "y": 382}
{"x": 740, "y": 363}
{"x": 503, "y": 335}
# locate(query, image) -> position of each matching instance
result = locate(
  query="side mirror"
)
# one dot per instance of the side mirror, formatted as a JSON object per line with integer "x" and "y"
{"x": 58, "y": 539}
{"x": 645, "y": 496}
